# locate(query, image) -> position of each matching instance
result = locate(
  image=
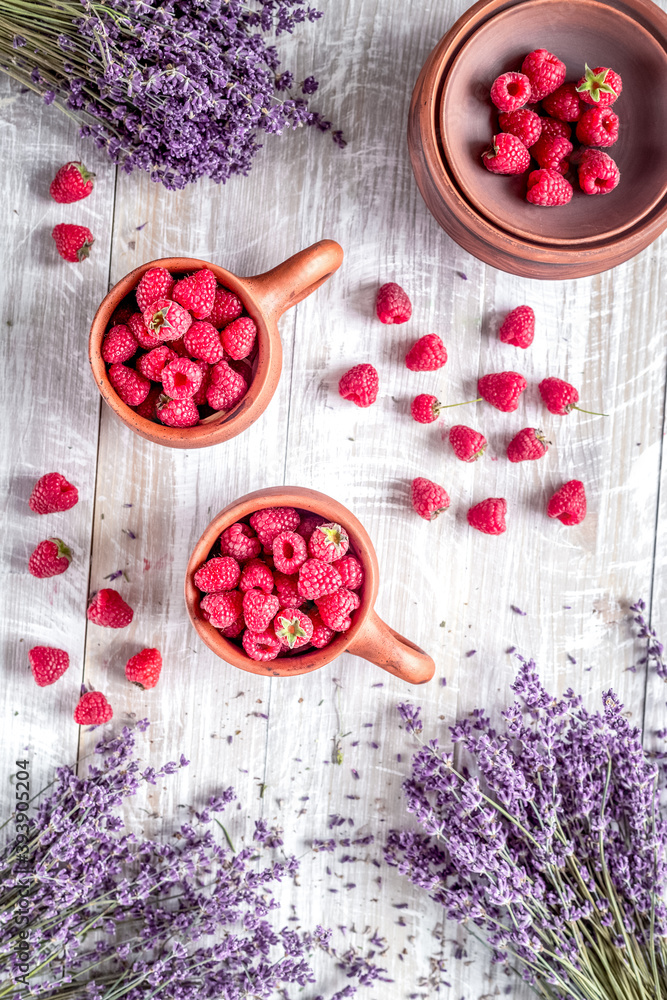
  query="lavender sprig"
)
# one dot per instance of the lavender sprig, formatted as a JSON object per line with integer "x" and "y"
{"x": 654, "y": 649}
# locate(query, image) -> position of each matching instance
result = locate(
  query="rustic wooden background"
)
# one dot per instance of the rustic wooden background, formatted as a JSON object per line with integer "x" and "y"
{"x": 448, "y": 587}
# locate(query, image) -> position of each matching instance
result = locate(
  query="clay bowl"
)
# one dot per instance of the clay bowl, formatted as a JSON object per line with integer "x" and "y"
{"x": 452, "y": 119}
{"x": 368, "y": 635}
{"x": 265, "y": 297}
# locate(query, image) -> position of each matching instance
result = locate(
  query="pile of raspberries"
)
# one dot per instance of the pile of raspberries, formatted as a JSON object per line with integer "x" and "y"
{"x": 281, "y": 582}
{"x": 525, "y": 134}
{"x": 182, "y": 350}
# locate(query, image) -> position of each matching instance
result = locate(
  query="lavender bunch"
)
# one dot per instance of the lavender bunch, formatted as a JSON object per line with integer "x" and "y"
{"x": 552, "y": 848}
{"x": 179, "y": 88}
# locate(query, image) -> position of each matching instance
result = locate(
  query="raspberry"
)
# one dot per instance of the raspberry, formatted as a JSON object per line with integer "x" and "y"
{"x": 428, "y": 499}
{"x": 148, "y": 409}
{"x": 468, "y": 445}
{"x": 72, "y": 183}
{"x": 197, "y": 292}
{"x": 226, "y": 387}
{"x": 518, "y": 327}
{"x": 238, "y": 339}
{"x": 240, "y": 542}
{"x": 52, "y": 493}
{"x": 506, "y": 155}
{"x": 73, "y": 243}
{"x": 317, "y": 578}
{"x": 222, "y": 610}
{"x": 322, "y": 634}
{"x": 176, "y": 412}
{"x": 289, "y": 552}
{"x": 47, "y": 664}
{"x": 598, "y": 127}
{"x": 360, "y": 384}
{"x": 130, "y": 386}
{"x": 235, "y": 629}
{"x": 568, "y": 503}
{"x": 145, "y": 338}
{"x": 552, "y": 151}
{"x": 510, "y": 91}
{"x": 121, "y": 316}
{"x": 219, "y": 573}
{"x": 93, "y": 709}
{"x": 526, "y": 125}
{"x": 328, "y": 542}
{"x": 261, "y": 645}
{"x": 545, "y": 71}
{"x": 527, "y": 446}
{"x": 489, "y": 516}
{"x": 502, "y": 390}
{"x": 50, "y": 558}
{"x": 548, "y": 188}
{"x": 351, "y": 572}
{"x": 157, "y": 283}
{"x": 203, "y": 341}
{"x": 355, "y": 602}
{"x": 600, "y": 86}
{"x": 552, "y": 126}
{"x": 308, "y": 525}
{"x": 293, "y": 628}
{"x": 144, "y": 668}
{"x": 256, "y": 575}
{"x": 150, "y": 365}
{"x": 270, "y": 521}
{"x": 425, "y": 409}
{"x": 598, "y": 174}
{"x": 287, "y": 589}
{"x": 199, "y": 398}
{"x": 178, "y": 346}
{"x": 335, "y": 609}
{"x": 119, "y": 344}
{"x": 564, "y": 104}
{"x": 259, "y": 609}
{"x": 560, "y": 397}
{"x": 392, "y": 304}
{"x": 181, "y": 378}
{"x": 226, "y": 308}
{"x": 167, "y": 319}
{"x": 109, "y": 609}
{"x": 427, "y": 355}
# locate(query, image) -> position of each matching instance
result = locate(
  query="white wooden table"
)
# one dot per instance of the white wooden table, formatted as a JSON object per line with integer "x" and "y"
{"x": 449, "y": 588}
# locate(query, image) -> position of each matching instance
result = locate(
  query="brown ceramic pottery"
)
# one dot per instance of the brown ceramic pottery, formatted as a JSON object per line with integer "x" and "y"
{"x": 452, "y": 120}
{"x": 265, "y": 297}
{"x": 368, "y": 635}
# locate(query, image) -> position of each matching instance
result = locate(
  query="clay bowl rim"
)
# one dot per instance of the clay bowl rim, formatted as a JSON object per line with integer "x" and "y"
{"x": 314, "y": 502}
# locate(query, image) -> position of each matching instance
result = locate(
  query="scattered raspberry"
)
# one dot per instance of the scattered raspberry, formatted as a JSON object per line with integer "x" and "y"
{"x": 151, "y": 365}
{"x": 317, "y": 578}
{"x": 565, "y": 103}
{"x": 489, "y": 516}
{"x": 427, "y": 355}
{"x": 222, "y": 610}
{"x": 52, "y": 493}
{"x": 392, "y": 304}
{"x": 93, "y": 709}
{"x": 144, "y": 668}
{"x": 259, "y": 609}
{"x": 177, "y": 412}
{"x": 351, "y": 572}
{"x": 226, "y": 387}
{"x": 545, "y": 71}
{"x": 197, "y": 293}
{"x": 552, "y": 151}
{"x": 130, "y": 386}
{"x": 293, "y": 628}
{"x": 119, "y": 345}
{"x": 238, "y": 339}
{"x": 226, "y": 308}
{"x": 506, "y": 155}
{"x": 526, "y": 125}
{"x": 335, "y": 609}
{"x": 181, "y": 378}
{"x": 322, "y": 634}
{"x": 468, "y": 444}
{"x": 527, "y": 446}
{"x": 360, "y": 384}
{"x": 72, "y": 183}
{"x": 73, "y": 243}
{"x": 240, "y": 542}
{"x": 548, "y": 188}
{"x": 256, "y": 575}
{"x": 289, "y": 552}
{"x": 425, "y": 409}
{"x": 600, "y": 86}
{"x": 148, "y": 409}
{"x": 167, "y": 319}
{"x": 156, "y": 283}
{"x": 47, "y": 664}
{"x": 50, "y": 558}
{"x": 270, "y": 521}
{"x": 145, "y": 338}
{"x": 598, "y": 127}
{"x": 568, "y": 503}
{"x": 502, "y": 390}
{"x": 518, "y": 327}
{"x": 328, "y": 541}
{"x": 428, "y": 499}
{"x": 560, "y": 397}
{"x": 109, "y": 609}
{"x": 510, "y": 91}
{"x": 287, "y": 589}
{"x": 203, "y": 341}
{"x": 598, "y": 173}
{"x": 261, "y": 645}
{"x": 308, "y": 525}
{"x": 219, "y": 573}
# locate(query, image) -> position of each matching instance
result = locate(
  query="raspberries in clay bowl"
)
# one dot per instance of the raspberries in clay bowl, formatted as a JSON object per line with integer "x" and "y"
{"x": 550, "y": 129}
{"x": 180, "y": 348}
{"x": 281, "y": 582}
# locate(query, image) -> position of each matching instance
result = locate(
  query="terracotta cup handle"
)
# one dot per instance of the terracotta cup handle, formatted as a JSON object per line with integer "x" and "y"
{"x": 293, "y": 280}
{"x": 393, "y": 652}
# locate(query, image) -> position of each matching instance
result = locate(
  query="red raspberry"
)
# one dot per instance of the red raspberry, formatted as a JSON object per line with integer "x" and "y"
{"x": 145, "y": 338}
{"x": 598, "y": 174}
{"x": 177, "y": 412}
{"x": 226, "y": 387}
{"x": 335, "y": 609}
{"x": 234, "y": 630}
{"x": 156, "y": 283}
{"x": 226, "y": 308}
{"x": 360, "y": 384}
{"x": 179, "y": 347}
{"x": 150, "y": 365}
{"x": 564, "y": 104}
{"x": 568, "y": 503}
{"x": 560, "y": 397}
{"x": 73, "y": 243}
{"x": 259, "y": 609}
{"x": 322, "y": 634}
{"x": 502, "y": 390}
{"x": 119, "y": 345}
{"x": 130, "y": 386}
{"x": 317, "y": 578}
{"x": 425, "y": 409}
{"x": 527, "y": 446}
{"x": 287, "y": 589}
{"x": 72, "y": 183}
{"x": 52, "y": 493}
{"x": 308, "y": 525}
{"x": 144, "y": 668}
{"x": 392, "y": 304}
{"x": 256, "y": 575}
{"x": 270, "y": 521}
{"x": 203, "y": 341}
{"x": 428, "y": 499}
{"x": 238, "y": 339}
{"x": 121, "y": 316}
{"x": 47, "y": 664}
{"x": 552, "y": 126}
{"x": 518, "y": 327}
{"x": 548, "y": 188}
{"x": 109, "y": 609}
{"x": 351, "y": 572}
{"x": 222, "y": 610}
{"x": 598, "y": 127}
{"x": 427, "y": 355}
{"x": 167, "y": 319}
{"x": 181, "y": 378}
{"x": 468, "y": 444}
{"x": 219, "y": 573}
{"x": 93, "y": 709}
{"x": 355, "y": 602}
{"x": 293, "y": 628}
{"x": 600, "y": 86}
{"x": 552, "y": 151}
{"x": 489, "y": 516}
{"x": 148, "y": 409}
{"x": 50, "y": 558}
{"x": 526, "y": 125}
{"x": 506, "y": 155}
{"x": 197, "y": 292}
{"x": 328, "y": 541}
{"x": 510, "y": 91}
{"x": 240, "y": 542}
{"x": 289, "y": 552}
{"x": 545, "y": 71}
{"x": 199, "y": 398}
{"x": 261, "y": 645}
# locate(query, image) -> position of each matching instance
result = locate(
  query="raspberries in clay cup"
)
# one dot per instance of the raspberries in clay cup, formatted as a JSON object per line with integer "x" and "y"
{"x": 392, "y": 304}
{"x": 548, "y": 188}
{"x": 489, "y": 516}
{"x": 598, "y": 127}
{"x": 518, "y": 327}
{"x": 328, "y": 541}
{"x": 360, "y": 385}
{"x": 506, "y": 155}
{"x": 510, "y": 91}
{"x": 427, "y": 355}
{"x": 552, "y": 152}
{"x": 525, "y": 124}
{"x": 565, "y": 104}
{"x": 598, "y": 173}
{"x": 600, "y": 86}
{"x": 72, "y": 183}
{"x": 156, "y": 283}
{"x": 568, "y": 504}
{"x": 428, "y": 498}
{"x": 545, "y": 71}
{"x": 52, "y": 494}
